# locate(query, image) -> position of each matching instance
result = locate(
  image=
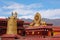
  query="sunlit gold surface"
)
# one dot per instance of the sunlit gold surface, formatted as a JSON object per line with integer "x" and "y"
{"x": 12, "y": 25}
{"x": 38, "y": 21}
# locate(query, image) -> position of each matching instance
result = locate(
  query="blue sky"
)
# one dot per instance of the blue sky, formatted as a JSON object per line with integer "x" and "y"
{"x": 28, "y": 8}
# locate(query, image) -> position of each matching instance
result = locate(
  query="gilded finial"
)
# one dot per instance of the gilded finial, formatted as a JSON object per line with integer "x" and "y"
{"x": 12, "y": 25}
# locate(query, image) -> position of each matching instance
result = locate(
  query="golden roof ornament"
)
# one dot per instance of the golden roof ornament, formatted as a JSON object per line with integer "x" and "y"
{"x": 14, "y": 14}
{"x": 37, "y": 20}
{"x": 12, "y": 24}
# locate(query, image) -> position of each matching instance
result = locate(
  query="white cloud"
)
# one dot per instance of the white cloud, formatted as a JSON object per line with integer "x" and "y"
{"x": 3, "y": 17}
{"x": 27, "y": 12}
{"x": 26, "y": 17}
{"x": 14, "y": 6}
{"x": 23, "y": 6}
{"x": 51, "y": 13}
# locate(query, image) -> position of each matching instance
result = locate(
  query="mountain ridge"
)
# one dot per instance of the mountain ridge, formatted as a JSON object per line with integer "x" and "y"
{"x": 55, "y": 22}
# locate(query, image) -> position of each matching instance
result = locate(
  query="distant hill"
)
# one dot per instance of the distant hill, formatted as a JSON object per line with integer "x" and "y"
{"x": 55, "y": 22}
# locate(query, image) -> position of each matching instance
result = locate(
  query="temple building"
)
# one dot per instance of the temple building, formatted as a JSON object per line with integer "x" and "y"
{"x": 37, "y": 27}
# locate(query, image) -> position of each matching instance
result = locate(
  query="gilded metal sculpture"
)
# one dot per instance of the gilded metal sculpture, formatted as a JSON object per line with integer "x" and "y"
{"x": 12, "y": 24}
{"x": 37, "y": 20}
